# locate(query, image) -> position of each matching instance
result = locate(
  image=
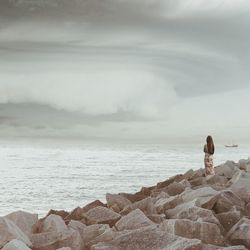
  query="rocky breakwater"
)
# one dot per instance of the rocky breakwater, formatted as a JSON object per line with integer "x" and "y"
{"x": 187, "y": 211}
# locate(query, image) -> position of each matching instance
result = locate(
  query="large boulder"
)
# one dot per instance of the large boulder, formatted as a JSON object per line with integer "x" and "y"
{"x": 53, "y": 223}
{"x": 146, "y": 206}
{"x": 240, "y": 233}
{"x": 10, "y": 231}
{"x": 228, "y": 219}
{"x": 101, "y": 215}
{"x": 191, "y": 212}
{"x": 163, "y": 204}
{"x": 25, "y": 221}
{"x": 190, "y": 195}
{"x": 61, "y": 213}
{"x": 206, "y": 232}
{"x": 149, "y": 238}
{"x": 53, "y": 240}
{"x": 226, "y": 201}
{"x": 134, "y": 220}
{"x": 175, "y": 188}
{"x": 15, "y": 245}
{"x": 91, "y": 232}
{"x": 115, "y": 199}
{"x": 227, "y": 169}
{"x": 244, "y": 164}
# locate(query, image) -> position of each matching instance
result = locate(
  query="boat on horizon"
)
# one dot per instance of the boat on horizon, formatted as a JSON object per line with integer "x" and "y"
{"x": 231, "y": 146}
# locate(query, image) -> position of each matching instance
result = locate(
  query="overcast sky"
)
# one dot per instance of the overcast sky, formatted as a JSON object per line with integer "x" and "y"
{"x": 173, "y": 70}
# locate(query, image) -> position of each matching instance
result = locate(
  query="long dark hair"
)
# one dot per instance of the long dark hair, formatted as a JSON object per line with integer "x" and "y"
{"x": 210, "y": 145}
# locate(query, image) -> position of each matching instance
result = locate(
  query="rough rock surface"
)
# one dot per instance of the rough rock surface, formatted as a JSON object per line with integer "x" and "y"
{"x": 10, "y": 231}
{"x": 102, "y": 215}
{"x": 187, "y": 211}
{"x": 15, "y": 245}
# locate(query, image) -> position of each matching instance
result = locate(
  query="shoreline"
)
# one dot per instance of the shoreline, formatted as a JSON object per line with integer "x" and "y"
{"x": 187, "y": 211}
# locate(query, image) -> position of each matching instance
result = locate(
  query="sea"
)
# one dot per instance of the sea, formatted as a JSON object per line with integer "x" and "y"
{"x": 39, "y": 175}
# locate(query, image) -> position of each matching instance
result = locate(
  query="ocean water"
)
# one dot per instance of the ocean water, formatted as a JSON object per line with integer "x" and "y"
{"x": 40, "y": 175}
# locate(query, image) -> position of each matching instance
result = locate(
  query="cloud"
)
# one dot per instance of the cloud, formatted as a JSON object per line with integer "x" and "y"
{"x": 92, "y": 92}
{"x": 124, "y": 66}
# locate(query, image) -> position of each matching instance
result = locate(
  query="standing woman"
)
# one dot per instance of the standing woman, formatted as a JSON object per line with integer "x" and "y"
{"x": 208, "y": 159}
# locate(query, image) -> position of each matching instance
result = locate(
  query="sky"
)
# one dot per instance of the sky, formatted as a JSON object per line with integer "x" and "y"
{"x": 168, "y": 71}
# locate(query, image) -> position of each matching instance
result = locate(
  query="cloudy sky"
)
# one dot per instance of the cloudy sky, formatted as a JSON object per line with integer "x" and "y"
{"x": 170, "y": 70}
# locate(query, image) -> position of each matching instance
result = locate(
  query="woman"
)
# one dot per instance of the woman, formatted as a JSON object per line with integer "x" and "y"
{"x": 208, "y": 159}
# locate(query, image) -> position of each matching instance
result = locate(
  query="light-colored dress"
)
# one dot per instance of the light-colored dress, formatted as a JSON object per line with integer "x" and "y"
{"x": 208, "y": 161}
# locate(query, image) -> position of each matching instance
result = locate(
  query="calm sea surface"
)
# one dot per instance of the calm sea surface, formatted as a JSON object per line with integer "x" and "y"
{"x": 39, "y": 175}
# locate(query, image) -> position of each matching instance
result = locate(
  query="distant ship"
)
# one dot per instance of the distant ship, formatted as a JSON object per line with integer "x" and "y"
{"x": 231, "y": 146}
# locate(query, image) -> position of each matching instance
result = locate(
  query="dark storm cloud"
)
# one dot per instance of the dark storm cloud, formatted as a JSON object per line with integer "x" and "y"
{"x": 121, "y": 61}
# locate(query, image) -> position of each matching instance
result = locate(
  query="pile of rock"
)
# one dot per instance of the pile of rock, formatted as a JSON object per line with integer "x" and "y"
{"x": 188, "y": 211}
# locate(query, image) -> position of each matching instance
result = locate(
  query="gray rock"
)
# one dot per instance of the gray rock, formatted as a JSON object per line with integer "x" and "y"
{"x": 10, "y": 231}
{"x": 134, "y": 220}
{"x": 25, "y": 221}
{"x": 101, "y": 215}
{"x": 15, "y": 245}
{"x": 226, "y": 201}
{"x": 240, "y": 233}
{"x": 53, "y": 223}
{"x": 206, "y": 232}
{"x": 53, "y": 240}
{"x": 149, "y": 238}
{"x": 228, "y": 219}
{"x": 119, "y": 200}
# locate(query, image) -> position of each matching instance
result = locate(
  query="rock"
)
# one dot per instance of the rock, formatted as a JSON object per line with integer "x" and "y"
{"x": 53, "y": 240}
{"x": 242, "y": 182}
{"x": 64, "y": 248}
{"x": 208, "y": 233}
{"x": 105, "y": 237}
{"x": 146, "y": 191}
{"x": 244, "y": 164}
{"x": 240, "y": 233}
{"x": 134, "y": 220}
{"x": 176, "y": 178}
{"x": 93, "y": 231}
{"x": 92, "y": 205}
{"x": 61, "y": 213}
{"x": 164, "y": 204}
{"x": 133, "y": 197}
{"x": 217, "y": 180}
{"x": 146, "y": 206}
{"x": 191, "y": 212}
{"x": 226, "y": 200}
{"x": 228, "y": 219}
{"x": 199, "y": 181}
{"x": 53, "y": 223}
{"x": 157, "y": 218}
{"x": 213, "y": 247}
{"x": 235, "y": 178}
{"x": 119, "y": 200}
{"x": 201, "y": 192}
{"x": 76, "y": 214}
{"x": 78, "y": 226}
{"x": 197, "y": 173}
{"x": 227, "y": 169}
{"x": 175, "y": 188}
{"x": 25, "y": 221}
{"x": 101, "y": 215}
{"x": 188, "y": 174}
{"x": 10, "y": 231}
{"x": 15, "y": 245}
{"x": 149, "y": 238}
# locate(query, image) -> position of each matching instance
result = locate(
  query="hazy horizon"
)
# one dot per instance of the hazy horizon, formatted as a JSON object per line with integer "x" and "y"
{"x": 170, "y": 71}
